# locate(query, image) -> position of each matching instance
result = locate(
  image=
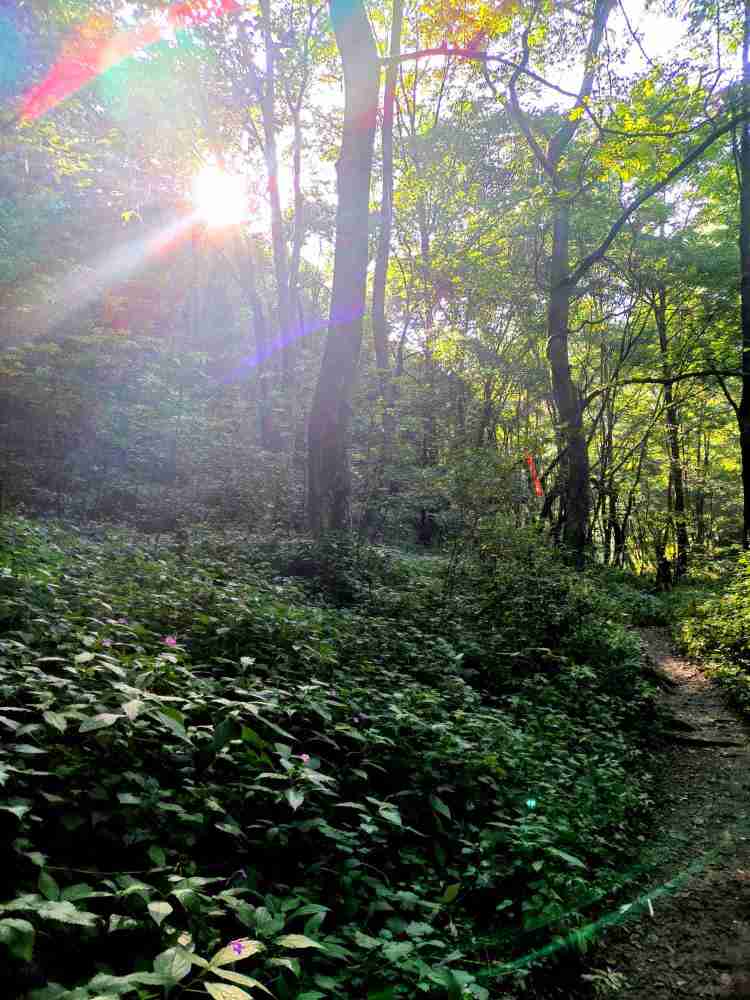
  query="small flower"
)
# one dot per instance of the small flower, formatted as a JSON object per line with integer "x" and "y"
{"x": 305, "y": 758}
{"x": 122, "y": 621}
{"x": 169, "y": 640}
{"x": 106, "y": 642}
{"x": 237, "y": 946}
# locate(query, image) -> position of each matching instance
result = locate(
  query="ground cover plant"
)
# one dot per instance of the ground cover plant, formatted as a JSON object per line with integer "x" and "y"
{"x": 394, "y": 797}
{"x": 714, "y": 623}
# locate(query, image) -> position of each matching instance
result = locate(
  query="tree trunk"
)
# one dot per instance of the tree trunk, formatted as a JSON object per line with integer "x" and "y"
{"x": 672, "y": 419}
{"x": 574, "y": 469}
{"x": 743, "y": 410}
{"x": 379, "y": 325}
{"x": 330, "y": 415}
{"x": 286, "y": 325}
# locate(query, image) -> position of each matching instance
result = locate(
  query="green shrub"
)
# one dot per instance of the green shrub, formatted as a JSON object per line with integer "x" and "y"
{"x": 425, "y": 784}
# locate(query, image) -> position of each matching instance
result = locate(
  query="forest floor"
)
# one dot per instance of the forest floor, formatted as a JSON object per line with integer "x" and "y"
{"x": 692, "y": 938}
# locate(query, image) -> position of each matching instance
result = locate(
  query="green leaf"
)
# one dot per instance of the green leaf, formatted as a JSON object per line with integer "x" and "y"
{"x": 157, "y": 855}
{"x": 159, "y": 911}
{"x": 287, "y": 963}
{"x": 132, "y": 708}
{"x": 226, "y": 730}
{"x": 451, "y": 891}
{"x": 440, "y": 807}
{"x": 398, "y": 949}
{"x": 173, "y": 725}
{"x": 295, "y": 797}
{"x": 84, "y": 657}
{"x": 173, "y": 964}
{"x": 237, "y": 977}
{"x": 18, "y": 937}
{"x": 66, "y": 913}
{"x": 365, "y": 941}
{"x": 235, "y": 951}
{"x": 220, "y": 991}
{"x": 100, "y": 721}
{"x": 47, "y": 886}
{"x": 575, "y": 862}
{"x": 298, "y": 941}
{"x": 57, "y": 721}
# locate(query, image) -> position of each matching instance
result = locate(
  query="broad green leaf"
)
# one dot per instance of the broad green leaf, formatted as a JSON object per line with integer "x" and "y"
{"x": 174, "y": 725}
{"x": 298, "y": 941}
{"x": 576, "y": 862}
{"x": 235, "y": 951}
{"x": 451, "y": 891}
{"x": 398, "y": 949}
{"x": 159, "y": 911}
{"x": 66, "y": 913}
{"x": 47, "y": 886}
{"x": 56, "y": 720}
{"x": 173, "y": 964}
{"x": 100, "y": 721}
{"x": 295, "y": 797}
{"x": 220, "y": 991}
{"x": 440, "y": 807}
{"x": 287, "y": 963}
{"x": 157, "y": 855}
{"x": 84, "y": 657}
{"x": 18, "y": 937}
{"x": 365, "y": 941}
{"x": 132, "y": 708}
{"x": 237, "y": 977}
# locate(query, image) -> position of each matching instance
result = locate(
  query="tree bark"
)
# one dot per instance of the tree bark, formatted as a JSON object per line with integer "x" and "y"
{"x": 672, "y": 423}
{"x": 328, "y": 435}
{"x": 286, "y": 325}
{"x": 379, "y": 325}
{"x": 574, "y": 469}
{"x": 743, "y": 410}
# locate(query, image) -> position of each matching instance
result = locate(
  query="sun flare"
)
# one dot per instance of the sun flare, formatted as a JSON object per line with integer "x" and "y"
{"x": 220, "y": 198}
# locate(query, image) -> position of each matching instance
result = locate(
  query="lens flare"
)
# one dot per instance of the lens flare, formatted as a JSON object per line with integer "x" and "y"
{"x": 220, "y": 198}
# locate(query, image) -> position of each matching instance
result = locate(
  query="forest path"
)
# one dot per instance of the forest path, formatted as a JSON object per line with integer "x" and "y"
{"x": 693, "y": 940}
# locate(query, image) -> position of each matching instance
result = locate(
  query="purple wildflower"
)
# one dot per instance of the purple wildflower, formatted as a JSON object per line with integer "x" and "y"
{"x": 106, "y": 642}
{"x": 237, "y": 946}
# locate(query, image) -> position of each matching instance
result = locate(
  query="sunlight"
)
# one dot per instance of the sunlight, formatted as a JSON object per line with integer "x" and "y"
{"x": 220, "y": 198}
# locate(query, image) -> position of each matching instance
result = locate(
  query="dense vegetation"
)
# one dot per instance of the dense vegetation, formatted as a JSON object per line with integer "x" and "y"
{"x": 425, "y": 769}
{"x": 368, "y": 374}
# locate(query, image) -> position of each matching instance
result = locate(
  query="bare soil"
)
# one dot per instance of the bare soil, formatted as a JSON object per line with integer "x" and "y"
{"x": 692, "y": 938}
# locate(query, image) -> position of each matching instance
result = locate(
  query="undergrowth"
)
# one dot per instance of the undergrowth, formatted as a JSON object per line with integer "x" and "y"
{"x": 338, "y": 770}
{"x": 713, "y": 623}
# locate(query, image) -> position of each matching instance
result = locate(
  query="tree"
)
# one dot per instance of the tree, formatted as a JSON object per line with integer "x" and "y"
{"x": 328, "y": 431}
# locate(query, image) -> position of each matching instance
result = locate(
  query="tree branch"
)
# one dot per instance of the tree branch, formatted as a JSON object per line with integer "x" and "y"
{"x": 596, "y": 255}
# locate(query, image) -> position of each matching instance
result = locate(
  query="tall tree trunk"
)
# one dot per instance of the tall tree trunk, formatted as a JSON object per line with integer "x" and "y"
{"x": 575, "y": 462}
{"x": 379, "y": 325}
{"x": 743, "y": 410}
{"x": 330, "y": 416}
{"x": 672, "y": 423}
{"x": 286, "y": 325}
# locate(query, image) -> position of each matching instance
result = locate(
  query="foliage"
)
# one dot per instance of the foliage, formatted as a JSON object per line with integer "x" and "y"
{"x": 716, "y": 626}
{"x": 399, "y": 795}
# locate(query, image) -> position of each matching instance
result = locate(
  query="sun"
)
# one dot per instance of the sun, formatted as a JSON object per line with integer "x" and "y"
{"x": 220, "y": 198}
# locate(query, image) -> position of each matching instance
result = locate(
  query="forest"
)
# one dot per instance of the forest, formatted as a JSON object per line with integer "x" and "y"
{"x": 374, "y": 499}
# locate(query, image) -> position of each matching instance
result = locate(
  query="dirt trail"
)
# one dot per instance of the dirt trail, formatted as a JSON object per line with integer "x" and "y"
{"x": 697, "y": 943}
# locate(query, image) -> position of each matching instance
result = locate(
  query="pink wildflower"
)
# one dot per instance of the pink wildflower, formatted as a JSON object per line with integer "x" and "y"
{"x": 169, "y": 640}
{"x": 305, "y": 758}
